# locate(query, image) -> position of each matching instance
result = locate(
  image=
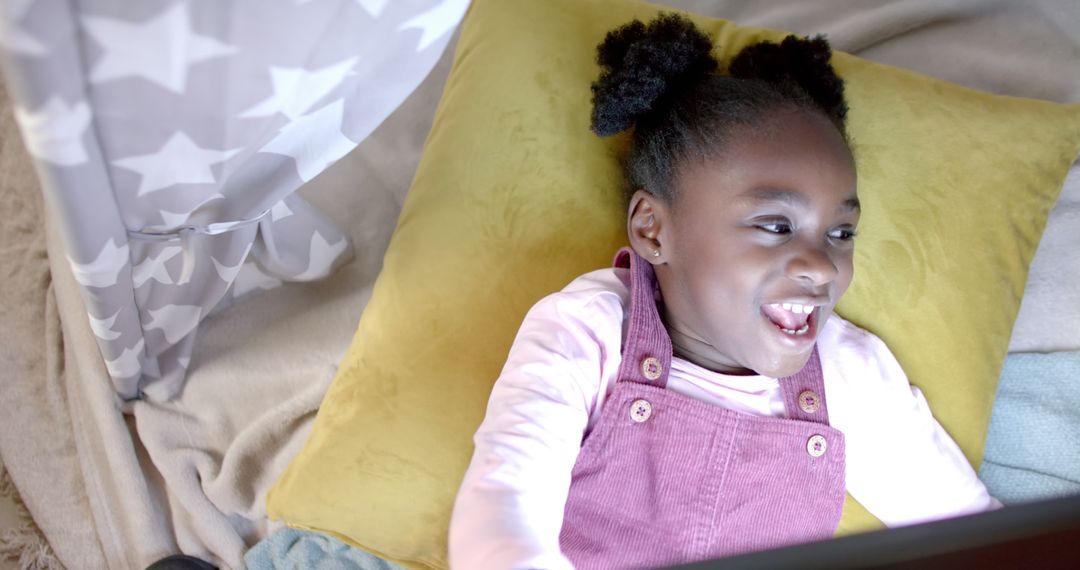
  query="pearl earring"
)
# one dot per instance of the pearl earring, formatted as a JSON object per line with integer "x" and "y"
{"x": 656, "y": 253}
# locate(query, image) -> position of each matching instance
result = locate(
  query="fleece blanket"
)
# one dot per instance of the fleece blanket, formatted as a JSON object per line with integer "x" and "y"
{"x": 293, "y": 548}
{"x": 119, "y": 490}
{"x": 1031, "y": 444}
{"x": 35, "y": 430}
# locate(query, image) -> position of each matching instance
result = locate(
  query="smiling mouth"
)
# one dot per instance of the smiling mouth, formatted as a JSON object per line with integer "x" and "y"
{"x": 792, "y": 319}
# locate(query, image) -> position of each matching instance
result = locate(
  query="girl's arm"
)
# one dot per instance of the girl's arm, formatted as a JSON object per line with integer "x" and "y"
{"x": 509, "y": 510}
{"x": 901, "y": 463}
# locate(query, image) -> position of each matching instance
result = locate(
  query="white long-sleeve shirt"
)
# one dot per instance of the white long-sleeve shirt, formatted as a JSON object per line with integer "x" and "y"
{"x": 900, "y": 463}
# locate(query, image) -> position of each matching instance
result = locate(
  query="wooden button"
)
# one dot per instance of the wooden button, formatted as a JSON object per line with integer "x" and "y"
{"x": 809, "y": 402}
{"x": 651, "y": 368}
{"x": 640, "y": 410}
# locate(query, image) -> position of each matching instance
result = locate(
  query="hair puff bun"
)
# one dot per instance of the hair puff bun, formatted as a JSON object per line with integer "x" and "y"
{"x": 801, "y": 63}
{"x": 641, "y": 63}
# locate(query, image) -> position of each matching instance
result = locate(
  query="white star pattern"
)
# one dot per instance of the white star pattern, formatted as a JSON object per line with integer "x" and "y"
{"x": 127, "y": 364}
{"x": 172, "y": 220}
{"x": 12, "y": 36}
{"x": 227, "y": 273}
{"x": 315, "y": 140}
{"x": 436, "y": 22}
{"x": 54, "y": 132}
{"x": 104, "y": 270}
{"x": 176, "y": 321}
{"x": 297, "y": 89}
{"x": 222, "y": 115}
{"x": 154, "y": 267}
{"x": 373, "y": 7}
{"x": 159, "y": 50}
{"x": 103, "y": 327}
{"x": 280, "y": 211}
{"x": 250, "y": 278}
{"x": 180, "y": 161}
{"x": 322, "y": 257}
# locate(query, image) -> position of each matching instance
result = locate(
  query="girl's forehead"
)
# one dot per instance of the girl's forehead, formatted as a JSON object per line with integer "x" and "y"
{"x": 795, "y": 158}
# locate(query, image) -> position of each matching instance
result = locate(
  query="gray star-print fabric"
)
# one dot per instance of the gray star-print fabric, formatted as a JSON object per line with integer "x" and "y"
{"x": 170, "y": 137}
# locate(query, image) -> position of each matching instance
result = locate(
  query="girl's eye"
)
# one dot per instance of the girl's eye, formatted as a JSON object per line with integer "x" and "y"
{"x": 775, "y": 227}
{"x": 844, "y": 234}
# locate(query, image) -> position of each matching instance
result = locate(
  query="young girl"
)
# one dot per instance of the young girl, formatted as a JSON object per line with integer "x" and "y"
{"x": 700, "y": 399}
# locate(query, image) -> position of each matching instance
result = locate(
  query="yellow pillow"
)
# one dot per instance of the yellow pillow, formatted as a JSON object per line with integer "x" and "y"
{"x": 514, "y": 197}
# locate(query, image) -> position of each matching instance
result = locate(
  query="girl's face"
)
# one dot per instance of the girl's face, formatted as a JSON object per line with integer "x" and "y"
{"x": 756, "y": 248}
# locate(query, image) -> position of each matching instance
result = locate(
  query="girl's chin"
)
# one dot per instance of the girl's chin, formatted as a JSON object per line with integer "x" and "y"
{"x": 789, "y": 365}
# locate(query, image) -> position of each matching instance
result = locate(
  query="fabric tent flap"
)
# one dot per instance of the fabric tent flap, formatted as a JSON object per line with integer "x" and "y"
{"x": 170, "y": 138}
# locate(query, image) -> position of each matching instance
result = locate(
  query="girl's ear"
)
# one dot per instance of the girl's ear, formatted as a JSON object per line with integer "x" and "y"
{"x": 646, "y": 226}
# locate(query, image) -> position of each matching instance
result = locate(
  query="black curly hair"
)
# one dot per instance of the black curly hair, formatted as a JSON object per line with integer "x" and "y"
{"x": 659, "y": 78}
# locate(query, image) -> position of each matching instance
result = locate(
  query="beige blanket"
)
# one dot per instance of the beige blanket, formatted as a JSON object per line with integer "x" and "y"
{"x": 116, "y": 490}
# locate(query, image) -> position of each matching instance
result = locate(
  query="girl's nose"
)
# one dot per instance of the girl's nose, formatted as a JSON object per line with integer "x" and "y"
{"x": 812, "y": 264}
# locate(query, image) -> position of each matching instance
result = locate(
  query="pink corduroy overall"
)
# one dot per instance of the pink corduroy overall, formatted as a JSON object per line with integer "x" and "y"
{"x": 665, "y": 479}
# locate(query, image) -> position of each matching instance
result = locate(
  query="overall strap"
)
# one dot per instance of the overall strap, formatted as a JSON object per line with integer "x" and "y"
{"x": 646, "y": 354}
{"x": 804, "y": 392}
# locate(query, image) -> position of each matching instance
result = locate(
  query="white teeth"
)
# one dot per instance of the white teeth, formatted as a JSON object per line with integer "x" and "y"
{"x": 795, "y": 308}
{"x": 799, "y": 332}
